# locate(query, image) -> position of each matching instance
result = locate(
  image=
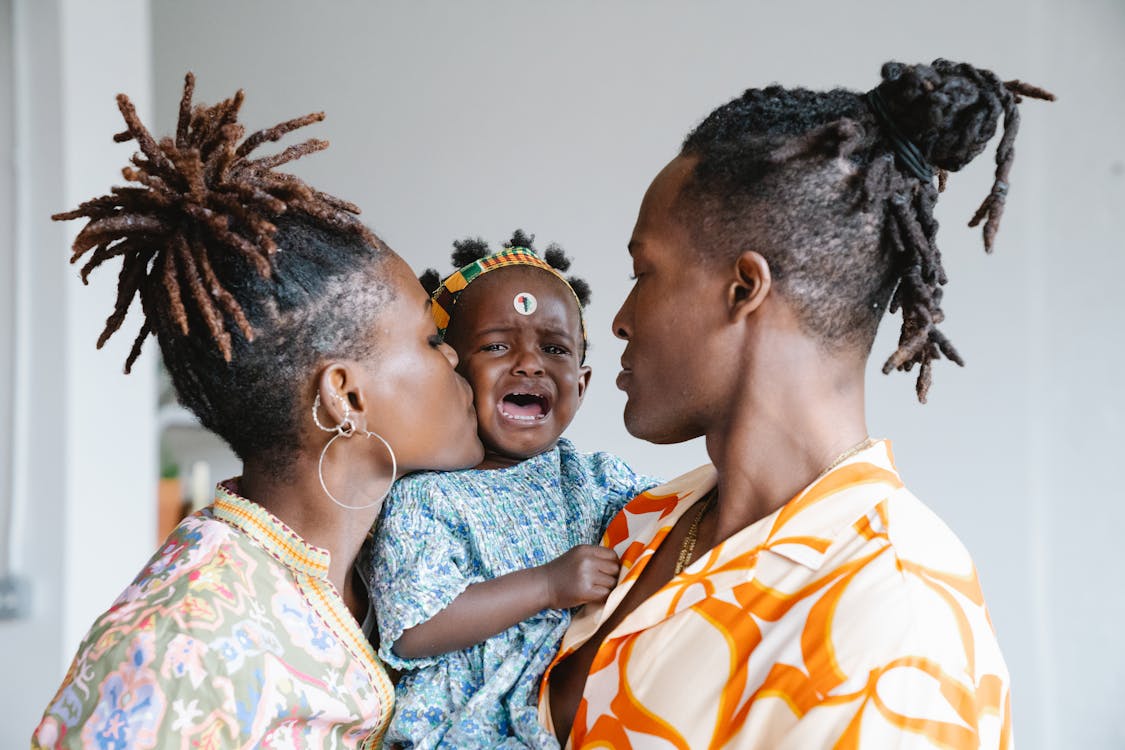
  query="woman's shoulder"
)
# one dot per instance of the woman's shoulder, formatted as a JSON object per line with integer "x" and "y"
{"x": 200, "y": 547}
{"x": 178, "y": 602}
{"x": 202, "y": 561}
{"x": 211, "y": 610}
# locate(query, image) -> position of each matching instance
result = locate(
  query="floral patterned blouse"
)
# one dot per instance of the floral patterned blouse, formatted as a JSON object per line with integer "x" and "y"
{"x": 232, "y": 636}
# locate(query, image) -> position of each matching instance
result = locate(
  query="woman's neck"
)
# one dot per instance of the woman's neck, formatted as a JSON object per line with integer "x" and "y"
{"x": 297, "y": 498}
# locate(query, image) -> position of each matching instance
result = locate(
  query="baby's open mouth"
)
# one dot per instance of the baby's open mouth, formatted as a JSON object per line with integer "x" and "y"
{"x": 525, "y": 407}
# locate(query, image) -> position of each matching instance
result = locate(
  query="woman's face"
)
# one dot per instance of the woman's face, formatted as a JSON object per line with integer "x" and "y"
{"x": 415, "y": 398}
{"x": 677, "y": 367}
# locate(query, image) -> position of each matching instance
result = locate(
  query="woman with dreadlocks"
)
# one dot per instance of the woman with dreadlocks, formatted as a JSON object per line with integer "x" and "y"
{"x": 793, "y": 594}
{"x": 297, "y": 336}
{"x": 475, "y": 571}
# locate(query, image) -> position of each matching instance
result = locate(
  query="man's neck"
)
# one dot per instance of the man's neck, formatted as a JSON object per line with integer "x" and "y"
{"x": 778, "y": 436}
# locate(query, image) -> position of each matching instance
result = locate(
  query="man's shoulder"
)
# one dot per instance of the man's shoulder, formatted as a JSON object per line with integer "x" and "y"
{"x": 686, "y": 487}
{"x": 911, "y": 592}
{"x": 920, "y": 537}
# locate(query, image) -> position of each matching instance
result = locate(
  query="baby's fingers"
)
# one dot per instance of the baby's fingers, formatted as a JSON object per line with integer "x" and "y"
{"x": 601, "y": 587}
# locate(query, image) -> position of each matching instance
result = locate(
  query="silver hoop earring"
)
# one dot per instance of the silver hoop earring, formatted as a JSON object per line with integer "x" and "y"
{"x": 347, "y": 429}
{"x": 365, "y": 433}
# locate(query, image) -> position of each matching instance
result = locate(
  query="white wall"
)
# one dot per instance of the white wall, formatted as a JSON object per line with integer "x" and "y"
{"x": 1078, "y": 319}
{"x": 82, "y": 488}
{"x": 453, "y": 119}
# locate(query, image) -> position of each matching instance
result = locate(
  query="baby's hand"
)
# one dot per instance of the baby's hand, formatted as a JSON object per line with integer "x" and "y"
{"x": 586, "y": 573}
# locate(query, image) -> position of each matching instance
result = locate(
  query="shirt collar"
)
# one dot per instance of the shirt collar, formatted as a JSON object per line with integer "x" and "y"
{"x": 805, "y": 529}
{"x": 269, "y": 531}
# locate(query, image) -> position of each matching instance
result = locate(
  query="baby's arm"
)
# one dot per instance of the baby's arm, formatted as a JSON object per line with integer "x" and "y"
{"x": 583, "y": 574}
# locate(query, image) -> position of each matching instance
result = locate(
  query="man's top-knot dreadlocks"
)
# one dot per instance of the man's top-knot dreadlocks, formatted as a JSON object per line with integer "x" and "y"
{"x": 949, "y": 110}
{"x": 198, "y": 236}
{"x": 819, "y": 181}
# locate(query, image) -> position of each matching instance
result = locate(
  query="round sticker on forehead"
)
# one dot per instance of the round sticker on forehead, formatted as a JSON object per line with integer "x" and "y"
{"x": 525, "y": 303}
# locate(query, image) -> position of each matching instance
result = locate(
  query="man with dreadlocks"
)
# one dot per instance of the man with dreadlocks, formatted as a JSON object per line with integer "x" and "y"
{"x": 793, "y": 594}
{"x": 475, "y": 571}
{"x": 250, "y": 627}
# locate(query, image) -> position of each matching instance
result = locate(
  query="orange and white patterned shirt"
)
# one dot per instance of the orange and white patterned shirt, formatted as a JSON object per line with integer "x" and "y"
{"x": 851, "y": 617}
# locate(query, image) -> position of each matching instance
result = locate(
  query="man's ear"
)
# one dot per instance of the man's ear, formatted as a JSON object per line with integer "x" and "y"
{"x": 750, "y": 284}
{"x": 584, "y": 373}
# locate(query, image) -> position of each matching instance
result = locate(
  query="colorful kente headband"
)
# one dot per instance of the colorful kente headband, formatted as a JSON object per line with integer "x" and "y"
{"x": 445, "y": 297}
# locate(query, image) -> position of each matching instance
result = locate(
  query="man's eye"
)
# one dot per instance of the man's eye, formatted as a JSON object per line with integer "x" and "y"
{"x": 493, "y": 348}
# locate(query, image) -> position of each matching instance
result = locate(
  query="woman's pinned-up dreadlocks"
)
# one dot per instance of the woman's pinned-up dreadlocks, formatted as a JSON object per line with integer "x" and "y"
{"x": 247, "y": 277}
{"x": 849, "y": 232}
{"x": 200, "y": 195}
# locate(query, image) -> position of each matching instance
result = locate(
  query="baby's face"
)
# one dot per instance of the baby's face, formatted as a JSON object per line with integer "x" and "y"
{"x": 518, "y": 335}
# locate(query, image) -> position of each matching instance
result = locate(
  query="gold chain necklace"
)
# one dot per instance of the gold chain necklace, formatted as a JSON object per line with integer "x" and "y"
{"x": 859, "y": 447}
{"x": 687, "y": 547}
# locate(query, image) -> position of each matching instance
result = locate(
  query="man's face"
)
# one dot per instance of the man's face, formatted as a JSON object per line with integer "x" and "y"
{"x": 674, "y": 369}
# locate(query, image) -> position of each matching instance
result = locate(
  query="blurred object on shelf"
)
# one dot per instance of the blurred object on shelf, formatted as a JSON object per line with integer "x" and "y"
{"x": 171, "y": 507}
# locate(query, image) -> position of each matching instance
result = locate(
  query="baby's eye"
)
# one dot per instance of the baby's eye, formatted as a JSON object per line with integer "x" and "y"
{"x": 552, "y": 349}
{"x": 434, "y": 340}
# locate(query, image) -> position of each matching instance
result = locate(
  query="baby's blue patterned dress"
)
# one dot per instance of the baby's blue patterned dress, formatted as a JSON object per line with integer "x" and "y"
{"x": 441, "y": 532}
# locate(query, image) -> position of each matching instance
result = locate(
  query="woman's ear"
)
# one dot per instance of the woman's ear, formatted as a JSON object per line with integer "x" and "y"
{"x": 340, "y": 396}
{"x": 750, "y": 285}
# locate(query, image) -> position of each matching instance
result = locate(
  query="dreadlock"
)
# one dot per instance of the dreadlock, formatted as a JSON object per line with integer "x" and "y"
{"x": 817, "y": 171}
{"x": 472, "y": 249}
{"x": 199, "y": 238}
